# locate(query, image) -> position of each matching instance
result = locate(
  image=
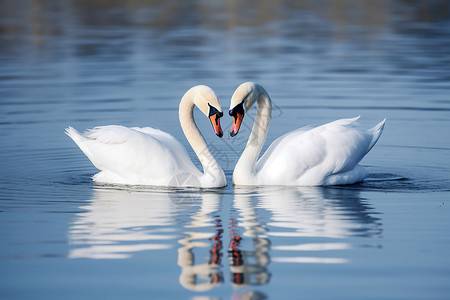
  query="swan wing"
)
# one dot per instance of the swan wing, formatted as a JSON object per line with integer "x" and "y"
{"x": 133, "y": 155}
{"x": 176, "y": 147}
{"x": 274, "y": 146}
{"x": 313, "y": 156}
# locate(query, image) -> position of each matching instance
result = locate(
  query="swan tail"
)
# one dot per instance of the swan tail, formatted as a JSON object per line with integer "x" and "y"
{"x": 74, "y": 134}
{"x": 80, "y": 140}
{"x": 376, "y": 133}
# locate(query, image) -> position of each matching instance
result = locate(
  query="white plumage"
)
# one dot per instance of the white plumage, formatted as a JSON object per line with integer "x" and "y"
{"x": 148, "y": 156}
{"x": 138, "y": 156}
{"x": 324, "y": 155}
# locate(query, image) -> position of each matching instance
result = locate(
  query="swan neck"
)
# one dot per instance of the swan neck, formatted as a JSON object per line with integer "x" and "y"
{"x": 249, "y": 157}
{"x": 212, "y": 172}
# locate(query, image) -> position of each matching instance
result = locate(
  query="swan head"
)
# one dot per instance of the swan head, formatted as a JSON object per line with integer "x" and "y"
{"x": 242, "y": 100}
{"x": 209, "y": 104}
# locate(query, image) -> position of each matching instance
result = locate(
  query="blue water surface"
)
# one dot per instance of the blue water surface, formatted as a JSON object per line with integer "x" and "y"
{"x": 90, "y": 63}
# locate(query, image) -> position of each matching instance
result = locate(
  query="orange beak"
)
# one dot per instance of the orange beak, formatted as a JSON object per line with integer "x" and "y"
{"x": 237, "y": 120}
{"x": 215, "y": 121}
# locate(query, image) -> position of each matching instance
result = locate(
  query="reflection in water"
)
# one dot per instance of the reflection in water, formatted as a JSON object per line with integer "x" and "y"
{"x": 205, "y": 238}
{"x": 118, "y": 223}
{"x": 320, "y": 217}
{"x": 303, "y": 220}
{"x": 202, "y": 276}
{"x": 248, "y": 267}
{"x": 284, "y": 220}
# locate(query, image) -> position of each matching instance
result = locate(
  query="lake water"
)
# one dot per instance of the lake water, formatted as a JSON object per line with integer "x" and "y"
{"x": 89, "y": 63}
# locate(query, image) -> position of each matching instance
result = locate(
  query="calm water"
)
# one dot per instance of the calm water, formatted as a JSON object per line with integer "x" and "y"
{"x": 88, "y": 63}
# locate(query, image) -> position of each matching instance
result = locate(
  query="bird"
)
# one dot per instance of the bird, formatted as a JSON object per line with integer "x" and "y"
{"x": 325, "y": 155}
{"x": 151, "y": 157}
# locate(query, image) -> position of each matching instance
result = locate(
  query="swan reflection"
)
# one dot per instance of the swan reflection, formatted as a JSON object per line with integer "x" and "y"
{"x": 249, "y": 246}
{"x": 199, "y": 236}
{"x": 118, "y": 223}
{"x": 222, "y": 237}
{"x": 320, "y": 212}
{"x": 201, "y": 256}
{"x": 318, "y": 219}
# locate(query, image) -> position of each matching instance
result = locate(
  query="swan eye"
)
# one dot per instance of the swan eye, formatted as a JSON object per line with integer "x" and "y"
{"x": 214, "y": 111}
{"x": 237, "y": 109}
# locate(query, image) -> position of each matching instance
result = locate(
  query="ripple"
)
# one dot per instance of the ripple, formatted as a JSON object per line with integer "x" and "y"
{"x": 311, "y": 260}
{"x": 364, "y": 108}
{"x": 314, "y": 247}
{"x": 387, "y": 182}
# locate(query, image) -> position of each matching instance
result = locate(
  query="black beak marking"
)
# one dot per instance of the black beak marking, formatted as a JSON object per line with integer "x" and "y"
{"x": 214, "y": 111}
{"x": 237, "y": 109}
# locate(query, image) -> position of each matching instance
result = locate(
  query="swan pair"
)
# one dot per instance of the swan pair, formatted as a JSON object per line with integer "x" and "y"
{"x": 325, "y": 155}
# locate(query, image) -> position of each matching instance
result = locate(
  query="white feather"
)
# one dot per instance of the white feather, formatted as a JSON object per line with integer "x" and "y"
{"x": 148, "y": 156}
{"x": 325, "y": 155}
{"x": 133, "y": 155}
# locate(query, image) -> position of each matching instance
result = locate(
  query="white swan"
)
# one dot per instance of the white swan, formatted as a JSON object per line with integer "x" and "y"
{"x": 148, "y": 156}
{"x": 325, "y": 155}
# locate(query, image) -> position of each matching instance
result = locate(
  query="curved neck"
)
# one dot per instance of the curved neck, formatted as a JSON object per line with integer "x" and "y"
{"x": 247, "y": 162}
{"x": 213, "y": 174}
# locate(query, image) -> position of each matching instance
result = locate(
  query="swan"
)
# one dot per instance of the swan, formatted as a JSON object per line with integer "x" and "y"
{"x": 325, "y": 155}
{"x": 148, "y": 156}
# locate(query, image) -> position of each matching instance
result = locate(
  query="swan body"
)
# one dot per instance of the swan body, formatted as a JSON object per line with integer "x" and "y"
{"x": 324, "y": 155}
{"x": 148, "y": 156}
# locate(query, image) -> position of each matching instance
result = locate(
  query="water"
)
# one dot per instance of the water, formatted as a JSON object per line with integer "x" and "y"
{"x": 95, "y": 63}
